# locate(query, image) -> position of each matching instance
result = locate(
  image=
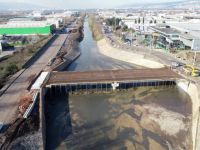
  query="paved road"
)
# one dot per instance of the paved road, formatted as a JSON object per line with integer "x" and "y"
{"x": 10, "y": 99}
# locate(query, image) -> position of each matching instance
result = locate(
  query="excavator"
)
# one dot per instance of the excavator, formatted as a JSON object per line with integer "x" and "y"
{"x": 191, "y": 70}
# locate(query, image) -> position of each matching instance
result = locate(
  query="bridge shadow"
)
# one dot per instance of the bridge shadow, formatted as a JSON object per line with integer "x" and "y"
{"x": 58, "y": 120}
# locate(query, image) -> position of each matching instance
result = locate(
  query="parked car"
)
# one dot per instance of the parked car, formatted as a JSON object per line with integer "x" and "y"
{"x": 175, "y": 64}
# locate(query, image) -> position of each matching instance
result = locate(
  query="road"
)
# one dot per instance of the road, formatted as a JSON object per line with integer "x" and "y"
{"x": 10, "y": 99}
{"x": 166, "y": 59}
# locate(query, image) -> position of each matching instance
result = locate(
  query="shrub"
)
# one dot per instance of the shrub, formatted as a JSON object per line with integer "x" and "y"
{"x": 11, "y": 69}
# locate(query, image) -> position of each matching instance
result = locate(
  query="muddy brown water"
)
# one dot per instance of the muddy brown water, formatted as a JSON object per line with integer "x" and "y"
{"x": 144, "y": 118}
{"x": 115, "y": 120}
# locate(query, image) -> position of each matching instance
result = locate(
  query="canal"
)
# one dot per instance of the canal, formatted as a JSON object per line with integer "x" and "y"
{"x": 144, "y": 118}
{"x": 91, "y": 59}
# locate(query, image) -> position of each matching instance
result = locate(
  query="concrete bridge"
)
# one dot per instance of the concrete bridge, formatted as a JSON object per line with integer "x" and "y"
{"x": 110, "y": 79}
{"x": 105, "y": 80}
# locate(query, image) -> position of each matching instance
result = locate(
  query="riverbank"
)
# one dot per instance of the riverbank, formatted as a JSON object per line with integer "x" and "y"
{"x": 106, "y": 49}
{"x": 194, "y": 94}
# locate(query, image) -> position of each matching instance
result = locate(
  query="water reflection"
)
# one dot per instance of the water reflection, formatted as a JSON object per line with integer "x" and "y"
{"x": 91, "y": 59}
{"x": 122, "y": 120}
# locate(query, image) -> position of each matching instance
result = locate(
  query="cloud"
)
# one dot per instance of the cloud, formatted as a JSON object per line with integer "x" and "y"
{"x": 84, "y": 4}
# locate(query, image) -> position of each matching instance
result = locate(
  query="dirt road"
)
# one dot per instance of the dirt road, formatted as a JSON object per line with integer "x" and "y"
{"x": 9, "y": 100}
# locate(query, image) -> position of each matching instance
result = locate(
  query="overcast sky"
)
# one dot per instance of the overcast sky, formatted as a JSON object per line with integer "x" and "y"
{"x": 85, "y": 3}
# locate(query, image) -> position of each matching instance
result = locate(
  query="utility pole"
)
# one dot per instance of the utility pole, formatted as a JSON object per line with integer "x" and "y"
{"x": 195, "y": 56}
{"x": 115, "y": 23}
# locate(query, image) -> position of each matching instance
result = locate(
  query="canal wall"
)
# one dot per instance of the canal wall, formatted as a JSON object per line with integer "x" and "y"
{"x": 42, "y": 127}
{"x": 192, "y": 89}
{"x": 106, "y": 49}
{"x": 68, "y": 59}
{"x": 101, "y": 87}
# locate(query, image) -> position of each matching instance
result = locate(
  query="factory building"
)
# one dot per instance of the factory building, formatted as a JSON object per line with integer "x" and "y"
{"x": 171, "y": 38}
{"x": 26, "y": 26}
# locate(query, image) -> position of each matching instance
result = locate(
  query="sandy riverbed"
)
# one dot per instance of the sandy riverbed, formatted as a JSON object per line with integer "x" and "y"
{"x": 106, "y": 49}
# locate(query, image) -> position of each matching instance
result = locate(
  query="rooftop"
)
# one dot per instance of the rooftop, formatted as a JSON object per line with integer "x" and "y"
{"x": 165, "y": 30}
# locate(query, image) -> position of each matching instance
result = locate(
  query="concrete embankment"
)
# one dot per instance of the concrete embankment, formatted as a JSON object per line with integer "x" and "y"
{"x": 68, "y": 59}
{"x": 106, "y": 49}
{"x": 193, "y": 91}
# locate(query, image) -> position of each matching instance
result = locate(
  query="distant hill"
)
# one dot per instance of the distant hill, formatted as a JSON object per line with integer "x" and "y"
{"x": 166, "y": 5}
{"x": 20, "y": 6}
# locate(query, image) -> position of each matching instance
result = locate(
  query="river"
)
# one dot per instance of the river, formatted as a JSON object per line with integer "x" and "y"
{"x": 136, "y": 119}
{"x": 91, "y": 59}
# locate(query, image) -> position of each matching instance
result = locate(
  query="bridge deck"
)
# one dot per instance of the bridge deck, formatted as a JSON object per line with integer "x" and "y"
{"x": 111, "y": 76}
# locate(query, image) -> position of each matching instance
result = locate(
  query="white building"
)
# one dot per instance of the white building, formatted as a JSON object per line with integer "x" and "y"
{"x": 190, "y": 32}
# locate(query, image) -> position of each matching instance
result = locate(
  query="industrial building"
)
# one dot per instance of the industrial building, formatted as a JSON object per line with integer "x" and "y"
{"x": 171, "y": 38}
{"x": 27, "y": 26}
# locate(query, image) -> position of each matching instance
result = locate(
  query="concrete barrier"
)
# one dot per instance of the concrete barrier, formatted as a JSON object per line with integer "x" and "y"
{"x": 42, "y": 128}
{"x": 69, "y": 58}
{"x": 193, "y": 91}
{"x": 30, "y": 108}
{"x": 139, "y": 59}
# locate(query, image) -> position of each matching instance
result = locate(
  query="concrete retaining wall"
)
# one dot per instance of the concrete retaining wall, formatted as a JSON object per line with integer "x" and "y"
{"x": 69, "y": 58}
{"x": 106, "y": 49}
{"x": 42, "y": 129}
{"x": 193, "y": 91}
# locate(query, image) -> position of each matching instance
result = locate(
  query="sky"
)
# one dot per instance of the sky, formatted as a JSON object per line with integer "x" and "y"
{"x": 71, "y": 4}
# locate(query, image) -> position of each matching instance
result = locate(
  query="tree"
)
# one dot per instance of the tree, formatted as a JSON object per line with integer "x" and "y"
{"x": 125, "y": 28}
{"x": 135, "y": 21}
{"x": 113, "y": 22}
{"x": 143, "y": 20}
{"x": 11, "y": 69}
{"x": 155, "y": 21}
{"x": 150, "y": 21}
{"x": 139, "y": 20}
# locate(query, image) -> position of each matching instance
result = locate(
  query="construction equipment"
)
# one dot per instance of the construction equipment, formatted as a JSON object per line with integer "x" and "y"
{"x": 190, "y": 70}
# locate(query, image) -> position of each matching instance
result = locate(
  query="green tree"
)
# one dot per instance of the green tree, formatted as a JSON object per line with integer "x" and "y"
{"x": 139, "y": 20}
{"x": 125, "y": 28}
{"x": 135, "y": 21}
{"x": 11, "y": 69}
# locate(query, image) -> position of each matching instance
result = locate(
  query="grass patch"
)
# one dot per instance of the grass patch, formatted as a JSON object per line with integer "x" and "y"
{"x": 95, "y": 27}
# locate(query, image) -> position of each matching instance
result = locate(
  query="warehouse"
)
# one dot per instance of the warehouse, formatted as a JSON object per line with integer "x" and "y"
{"x": 26, "y": 27}
{"x": 26, "y": 30}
